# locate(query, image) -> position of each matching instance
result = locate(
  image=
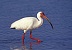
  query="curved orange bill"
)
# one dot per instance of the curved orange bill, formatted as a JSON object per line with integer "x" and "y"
{"x": 49, "y": 21}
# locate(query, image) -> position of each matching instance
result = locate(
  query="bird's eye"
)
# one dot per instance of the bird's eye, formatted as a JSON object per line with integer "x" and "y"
{"x": 43, "y": 13}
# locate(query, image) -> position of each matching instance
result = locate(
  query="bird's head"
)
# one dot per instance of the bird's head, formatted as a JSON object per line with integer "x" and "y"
{"x": 42, "y": 15}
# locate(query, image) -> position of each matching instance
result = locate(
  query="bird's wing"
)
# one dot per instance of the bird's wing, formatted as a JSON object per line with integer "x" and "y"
{"x": 24, "y": 23}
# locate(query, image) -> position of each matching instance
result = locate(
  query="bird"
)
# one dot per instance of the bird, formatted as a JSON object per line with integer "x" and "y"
{"x": 30, "y": 23}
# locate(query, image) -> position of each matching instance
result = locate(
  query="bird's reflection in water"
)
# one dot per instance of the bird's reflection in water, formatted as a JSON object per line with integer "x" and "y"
{"x": 23, "y": 47}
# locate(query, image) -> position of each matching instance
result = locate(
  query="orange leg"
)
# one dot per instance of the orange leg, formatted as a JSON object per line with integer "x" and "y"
{"x": 23, "y": 37}
{"x": 38, "y": 40}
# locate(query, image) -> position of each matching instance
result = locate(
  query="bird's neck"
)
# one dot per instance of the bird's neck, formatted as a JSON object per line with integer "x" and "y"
{"x": 40, "y": 21}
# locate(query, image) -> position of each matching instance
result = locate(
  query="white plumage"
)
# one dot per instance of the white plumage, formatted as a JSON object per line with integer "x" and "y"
{"x": 26, "y": 23}
{"x": 29, "y": 23}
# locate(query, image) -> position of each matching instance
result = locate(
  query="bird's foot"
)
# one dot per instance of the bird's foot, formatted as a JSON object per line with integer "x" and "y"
{"x": 38, "y": 40}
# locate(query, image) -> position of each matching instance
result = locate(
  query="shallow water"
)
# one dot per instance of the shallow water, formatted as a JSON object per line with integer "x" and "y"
{"x": 58, "y": 11}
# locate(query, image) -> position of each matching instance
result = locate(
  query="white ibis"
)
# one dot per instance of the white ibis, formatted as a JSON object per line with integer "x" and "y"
{"x": 30, "y": 23}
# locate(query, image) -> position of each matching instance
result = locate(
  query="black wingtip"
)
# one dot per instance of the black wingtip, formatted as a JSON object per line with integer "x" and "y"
{"x": 12, "y": 28}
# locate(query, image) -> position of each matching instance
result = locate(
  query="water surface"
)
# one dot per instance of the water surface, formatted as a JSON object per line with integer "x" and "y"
{"x": 58, "y": 11}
